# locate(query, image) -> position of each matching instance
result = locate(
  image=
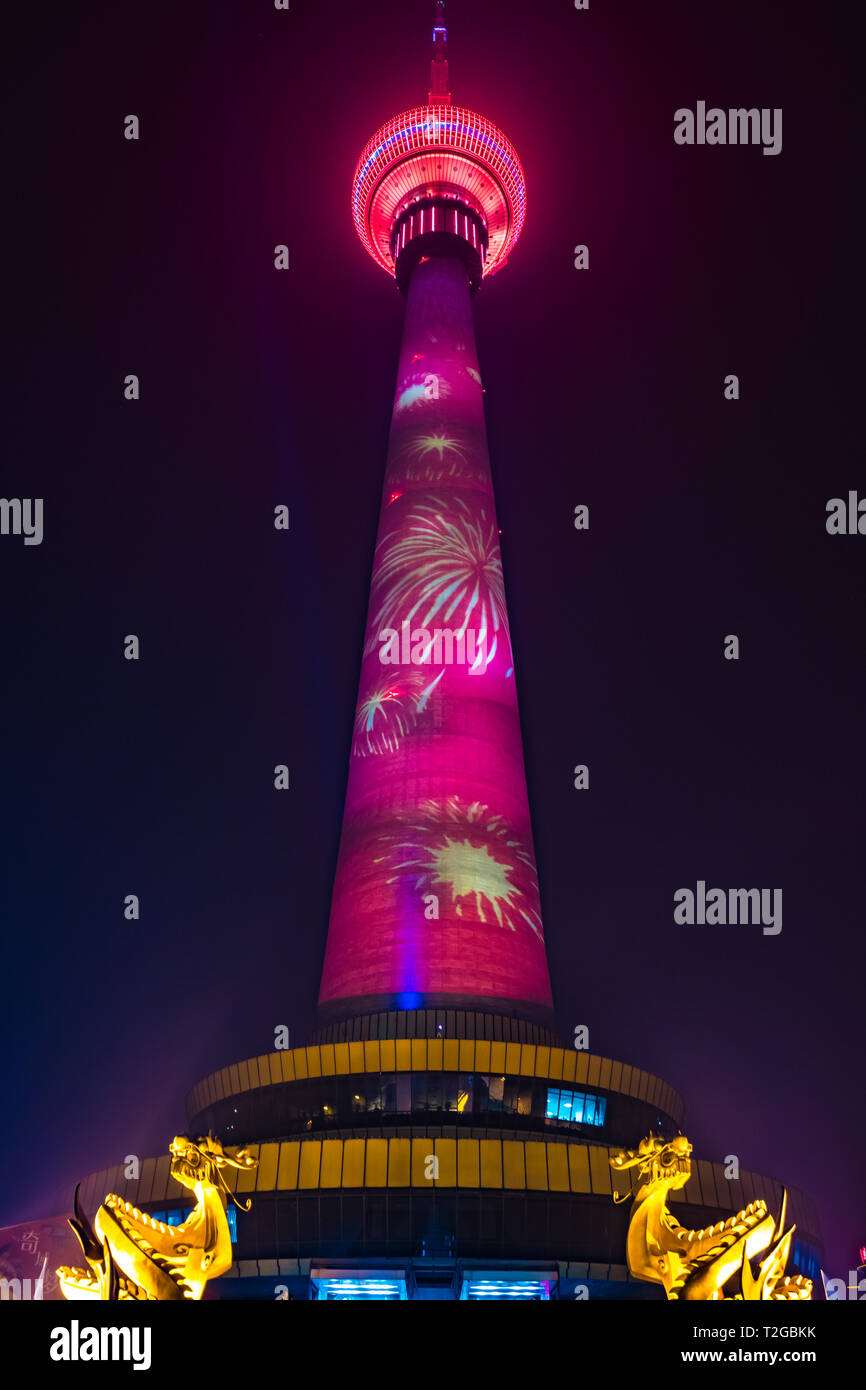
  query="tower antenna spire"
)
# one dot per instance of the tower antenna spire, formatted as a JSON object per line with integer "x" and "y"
{"x": 440, "y": 94}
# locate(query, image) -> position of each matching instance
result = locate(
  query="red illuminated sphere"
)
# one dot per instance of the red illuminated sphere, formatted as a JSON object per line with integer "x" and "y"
{"x": 438, "y": 172}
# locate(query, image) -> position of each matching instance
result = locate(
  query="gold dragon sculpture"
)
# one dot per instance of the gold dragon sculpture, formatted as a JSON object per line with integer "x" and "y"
{"x": 131, "y": 1255}
{"x": 699, "y": 1264}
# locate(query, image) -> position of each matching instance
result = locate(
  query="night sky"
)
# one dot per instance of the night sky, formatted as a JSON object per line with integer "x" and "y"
{"x": 604, "y": 387}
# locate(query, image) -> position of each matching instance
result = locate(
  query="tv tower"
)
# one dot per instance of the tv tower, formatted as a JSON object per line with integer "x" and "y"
{"x": 436, "y": 1140}
{"x": 436, "y": 902}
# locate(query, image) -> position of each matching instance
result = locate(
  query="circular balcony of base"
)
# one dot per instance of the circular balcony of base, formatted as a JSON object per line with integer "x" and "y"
{"x": 401, "y": 1082}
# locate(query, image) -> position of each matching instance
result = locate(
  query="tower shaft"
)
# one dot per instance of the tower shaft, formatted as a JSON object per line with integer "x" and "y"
{"x": 436, "y": 898}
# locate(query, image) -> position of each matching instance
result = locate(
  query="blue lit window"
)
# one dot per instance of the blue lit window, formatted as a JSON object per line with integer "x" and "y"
{"x": 575, "y": 1107}
{"x": 362, "y": 1288}
{"x": 527, "y": 1290}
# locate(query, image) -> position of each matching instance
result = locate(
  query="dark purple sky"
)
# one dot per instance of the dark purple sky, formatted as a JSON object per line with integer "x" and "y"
{"x": 604, "y": 387}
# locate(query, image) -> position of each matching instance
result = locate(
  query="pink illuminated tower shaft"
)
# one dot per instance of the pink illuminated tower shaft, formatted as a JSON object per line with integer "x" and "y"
{"x": 436, "y": 894}
{"x": 435, "y": 900}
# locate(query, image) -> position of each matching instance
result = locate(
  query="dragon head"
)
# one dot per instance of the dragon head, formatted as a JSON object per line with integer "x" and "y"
{"x": 659, "y": 1161}
{"x": 199, "y": 1160}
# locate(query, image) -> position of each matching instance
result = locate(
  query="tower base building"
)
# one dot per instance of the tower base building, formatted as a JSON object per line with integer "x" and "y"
{"x": 440, "y": 1154}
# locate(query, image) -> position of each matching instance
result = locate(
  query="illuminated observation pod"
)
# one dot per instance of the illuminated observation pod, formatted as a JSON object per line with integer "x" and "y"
{"x": 453, "y": 165}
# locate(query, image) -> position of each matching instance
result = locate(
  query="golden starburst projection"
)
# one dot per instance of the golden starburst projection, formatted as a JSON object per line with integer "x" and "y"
{"x": 438, "y": 444}
{"x": 436, "y": 453}
{"x": 470, "y": 871}
{"x": 486, "y": 871}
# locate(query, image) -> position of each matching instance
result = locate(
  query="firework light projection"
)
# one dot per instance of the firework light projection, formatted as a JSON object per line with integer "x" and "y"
{"x": 488, "y": 874}
{"x": 389, "y": 711}
{"x": 437, "y": 450}
{"x": 442, "y": 567}
{"x": 413, "y": 395}
{"x": 439, "y": 455}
